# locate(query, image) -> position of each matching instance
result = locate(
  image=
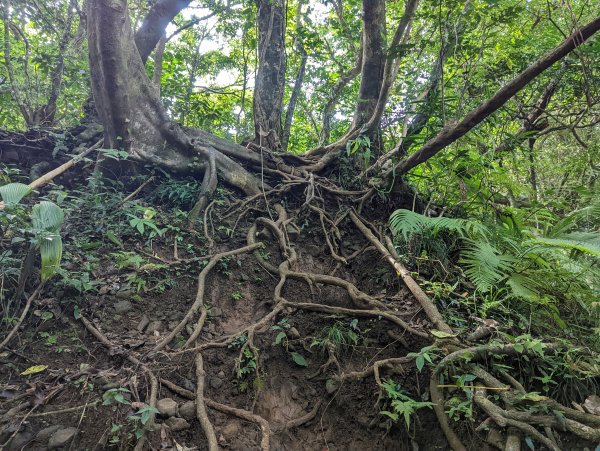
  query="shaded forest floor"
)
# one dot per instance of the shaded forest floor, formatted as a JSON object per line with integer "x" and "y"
{"x": 96, "y": 339}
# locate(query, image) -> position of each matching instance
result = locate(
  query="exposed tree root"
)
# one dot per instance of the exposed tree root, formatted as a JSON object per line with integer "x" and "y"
{"x": 394, "y": 364}
{"x": 207, "y": 426}
{"x": 200, "y": 293}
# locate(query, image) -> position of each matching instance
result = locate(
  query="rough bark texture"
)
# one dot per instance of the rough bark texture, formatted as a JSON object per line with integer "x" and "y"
{"x": 373, "y": 60}
{"x": 128, "y": 104}
{"x": 270, "y": 77}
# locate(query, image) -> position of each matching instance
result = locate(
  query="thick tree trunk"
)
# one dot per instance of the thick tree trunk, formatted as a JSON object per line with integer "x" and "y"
{"x": 270, "y": 77}
{"x": 130, "y": 110}
{"x": 373, "y": 60}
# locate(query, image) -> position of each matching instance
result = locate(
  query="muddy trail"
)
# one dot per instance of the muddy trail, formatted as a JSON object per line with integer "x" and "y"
{"x": 282, "y": 321}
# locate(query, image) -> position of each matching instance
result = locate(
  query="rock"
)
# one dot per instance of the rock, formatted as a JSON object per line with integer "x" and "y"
{"x": 20, "y": 441}
{"x": 154, "y": 326}
{"x": 216, "y": 382}
{"x": 122, "y": 307}
{"x": 212, "y": 328}
{"x": 177, "y": 424}
{"x": 123, "y": 294}
{"x": 221, "y": 374}
{"x": 188, "y": 410}
{"x": 61, "y": 437}
{"x": 331, "y": 386}
{"x": 216, "y": 311}
{"x": 167, "y": 407}
{"x": 293, "y": 332}
{"x": 231, "y": 430}
{"x": 46, "y": 433}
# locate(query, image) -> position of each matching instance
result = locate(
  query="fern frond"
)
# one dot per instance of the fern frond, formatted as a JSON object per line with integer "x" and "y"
{"x": 586, "y": 242}
{"x": 407, "y": 222}
{"x": 486, "y": 265}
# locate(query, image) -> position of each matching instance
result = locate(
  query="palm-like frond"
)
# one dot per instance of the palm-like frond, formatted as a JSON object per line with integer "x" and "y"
{"x": 407, "y": 222}
{"x": 586, "y": 242}
{"x": 486, "y": 266}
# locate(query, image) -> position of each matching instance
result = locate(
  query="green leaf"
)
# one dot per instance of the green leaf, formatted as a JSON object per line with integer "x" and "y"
{"x": 47, "y": 216}
{"x": 441, "y": 334}
{"x": 76, "y": 312}
{"x": 12, "y": 193}
{"x": 51, "y": 252}
{"x": 420, "y": 362}
{"x": 280, "y": 336}
{"x": 298, "y": 359}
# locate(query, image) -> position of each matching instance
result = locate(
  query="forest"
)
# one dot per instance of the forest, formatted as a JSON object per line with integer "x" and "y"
{"x": 304, "y": 225}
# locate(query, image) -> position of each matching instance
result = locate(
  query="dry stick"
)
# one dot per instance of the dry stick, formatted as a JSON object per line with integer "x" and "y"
{"x": 356, "y": 312}
{"x": 153, "y": 380}
{"x": 136, "y": 192}
{"x": 67, "y": 410}
{"x": 430, "y": 309}
{"x": 23, "y": 315}
{"x": 41, "y": 181}
{"x": 207, "y": 426}
{"x": 200, "y": 292}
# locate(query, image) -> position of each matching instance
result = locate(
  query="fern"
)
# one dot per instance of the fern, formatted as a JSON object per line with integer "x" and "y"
{"x": 486, "y": 266}
{"x": 407, "y": 222}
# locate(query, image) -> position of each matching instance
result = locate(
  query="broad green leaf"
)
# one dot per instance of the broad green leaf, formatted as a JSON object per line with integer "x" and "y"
{"x": 280, "y": 336}
{"x": 12, "y": 193}
{"x": 47, "y": 216}
{"x": 298, "y": 359}
{"x": 51, "y": 253}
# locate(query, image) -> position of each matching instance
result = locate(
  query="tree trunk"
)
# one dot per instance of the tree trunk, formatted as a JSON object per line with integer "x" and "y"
{"x": 155, "y": 24}
{"x": 130, "y": 110}
{"x": 270, "y": 77}
{"x": 451, "y": 133}
{"x": 289, "y": 114}
{"x": 373, "y": 60}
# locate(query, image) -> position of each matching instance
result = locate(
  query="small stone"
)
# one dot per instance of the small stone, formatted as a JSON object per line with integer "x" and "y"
{"x": 177, "y": 424}
{"x": 20, "y": 441}
{"x": 154, "y": 326}
{"x": 212, "y": 328}
{"x": 216, "y": 311}
{"x": 172, "y": 324}
{"x": 189, "y": 329}
{"x": 46, "y": 433}
{"x": 293, "y": 332}
{"x": 188, "y": 410}
{"x": 244, "y": 277}
{"x": 124, "y": 294}
{"x": 331, "y": 386}
{"x": 122, "y": 307}
{"x": 215, "y": 382}
{"x": 61, "y": 437}
{"x": 221, "y": 374}
{"x": 167, "y": 407}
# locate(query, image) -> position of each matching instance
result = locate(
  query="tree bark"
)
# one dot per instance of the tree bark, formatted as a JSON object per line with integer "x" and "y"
{"x": 451, "y": 133}
{"x": 270, "y": 77}
{"x": 289, "y": 114}
{"x": 155, "y": 23}
{"x": 373, "y": 60}
{"x": 130, "y": 110}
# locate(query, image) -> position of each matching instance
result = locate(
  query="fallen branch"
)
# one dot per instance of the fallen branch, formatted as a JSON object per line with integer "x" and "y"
{"x": 428, "y": 306}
